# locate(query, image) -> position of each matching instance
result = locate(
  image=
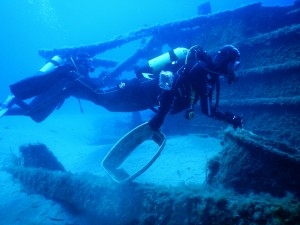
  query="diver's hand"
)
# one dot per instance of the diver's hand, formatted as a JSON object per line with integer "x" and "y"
{"x": 237, "y": 122}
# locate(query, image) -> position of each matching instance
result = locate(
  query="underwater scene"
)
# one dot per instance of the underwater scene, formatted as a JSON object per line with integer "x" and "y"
{"x": 150, "y": 112}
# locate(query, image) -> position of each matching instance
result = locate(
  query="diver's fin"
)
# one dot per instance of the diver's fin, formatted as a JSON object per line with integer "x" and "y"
{"x": 3, "y": 111}
{"x": 4, "y": 107}
{"x": 126, "y": 145}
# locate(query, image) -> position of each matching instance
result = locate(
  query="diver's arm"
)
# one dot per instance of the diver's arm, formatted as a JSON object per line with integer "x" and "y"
{"x": 233, "y": 119}
{"x": 165, "y": 102}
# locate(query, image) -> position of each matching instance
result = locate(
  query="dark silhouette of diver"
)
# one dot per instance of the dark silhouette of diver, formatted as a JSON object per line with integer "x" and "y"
{"x": 48, "y": 88}
{"x": 67, "y": 77}
{"x": 173, "y": 90}
{"x": 197, "y": 80}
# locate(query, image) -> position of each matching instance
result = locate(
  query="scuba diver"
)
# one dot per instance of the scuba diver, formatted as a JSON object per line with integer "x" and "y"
{"x": 196, "y": 80}
{"x": 179, "y": 87}
{"x": 47, "y": 88}
{"x": 63, "y": 77}
{"x": 190, "y": 76}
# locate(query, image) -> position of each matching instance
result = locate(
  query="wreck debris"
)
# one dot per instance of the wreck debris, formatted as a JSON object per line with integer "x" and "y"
{"x": 250, "y": 163}
{"x": 286, "y": 102}
{"x": 39, "y": 156}
{"x": 204, "y": 8}
{"x": 269, "y": 43}
{"x": 192, "y": 28}
{"x": 99, "y": 198}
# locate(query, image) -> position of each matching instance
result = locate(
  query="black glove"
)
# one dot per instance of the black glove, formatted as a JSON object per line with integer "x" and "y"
{"x": 156, "y": 122}
{"x": 237, "y": 121}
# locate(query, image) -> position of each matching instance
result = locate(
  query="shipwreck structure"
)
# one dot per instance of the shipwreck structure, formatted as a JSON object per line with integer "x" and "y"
{"x": 252, "y": 179}
{"x": 267, "y": 94}
{"x": 266, "y": 160}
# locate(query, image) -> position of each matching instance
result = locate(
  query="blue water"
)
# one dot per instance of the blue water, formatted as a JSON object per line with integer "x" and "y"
{"x": 30, "y": 25}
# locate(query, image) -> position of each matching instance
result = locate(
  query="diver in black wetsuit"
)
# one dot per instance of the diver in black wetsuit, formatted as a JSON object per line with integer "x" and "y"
{"x": 65, "y": 77}
{"x": 196, "y": 80}
{"x": 48, "y": 88}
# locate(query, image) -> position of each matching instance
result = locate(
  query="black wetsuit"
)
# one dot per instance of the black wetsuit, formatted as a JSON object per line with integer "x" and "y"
{"x": 194, "y": 81}
{"x": 48, "y": 92}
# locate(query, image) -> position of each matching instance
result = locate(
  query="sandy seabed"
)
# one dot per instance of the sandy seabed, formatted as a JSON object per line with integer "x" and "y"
{"x": 80, "y": 142}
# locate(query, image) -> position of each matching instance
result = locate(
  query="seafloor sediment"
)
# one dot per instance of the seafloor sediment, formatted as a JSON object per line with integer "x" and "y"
{"x": 255, "y": 178}
{"x": 101, "y": 200}
{"x": 250, "y": 182}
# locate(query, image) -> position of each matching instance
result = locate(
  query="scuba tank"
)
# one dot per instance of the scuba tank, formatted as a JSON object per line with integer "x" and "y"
{"x": 51, "y": 64}
{"x": 155, "y": 65}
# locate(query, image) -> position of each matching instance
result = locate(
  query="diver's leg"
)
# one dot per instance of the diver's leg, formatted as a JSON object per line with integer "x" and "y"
{"x": 135, "y": 95}
{"x": 44, "y": 104}
{"x": 132, "y": 95}
{"x": 37, "y": 113}
{"x": 41, "y": 109}
{"x": 13, "y": 106}
{"x": 16, "y": 111}
{"x": 33, "y": 86}
{"x": 6, "y": 105}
